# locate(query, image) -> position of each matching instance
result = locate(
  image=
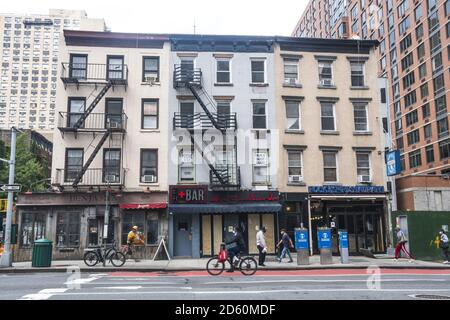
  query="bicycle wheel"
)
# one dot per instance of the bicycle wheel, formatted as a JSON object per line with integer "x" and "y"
{"x": 90, "y": 258}
{"x": 214, "y": 266}
{"x": 117, "y": 259}
{"x": 248, "y": 266}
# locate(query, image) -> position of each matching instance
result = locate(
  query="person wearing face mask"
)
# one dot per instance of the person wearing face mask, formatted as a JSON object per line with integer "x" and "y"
{"x": 444, "y": 243}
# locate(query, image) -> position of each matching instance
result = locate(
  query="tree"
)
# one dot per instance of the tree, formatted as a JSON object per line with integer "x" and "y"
{"x": 28, "y": 167}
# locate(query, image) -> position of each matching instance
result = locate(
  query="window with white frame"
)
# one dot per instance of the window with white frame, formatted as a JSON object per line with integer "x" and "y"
{"x": 327, "y": 116}
{"x": 295, "y": 166}
{"x": 360, "y": 116}
{"x": 223, "y": 70}
{"x": 259, "y": 115}
{"x": 357, "y": 73}
{"x": 330, "y": 170}
{"x": 261, "y": 167}
{"x": 293, "y": 115}
{"x": 291, "y": 71}
{"x": 186, "y": 165}
{"x": 325, "y": 73}
{"x": 258, "y": 70}
{"x": 363, "y": 167}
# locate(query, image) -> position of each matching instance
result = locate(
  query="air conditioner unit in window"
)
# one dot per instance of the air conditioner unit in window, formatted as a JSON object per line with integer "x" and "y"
{"x": 114, "y": 124}
{"x": 326, "y": 82}
{"x": 363, "y": 179}
{"x": 149, "y": 178}
{"x": 295, "y": 178}
{"x": 111, "y": 178}
{"x": 149, "y": 79}
{"x": 290, "y": 81}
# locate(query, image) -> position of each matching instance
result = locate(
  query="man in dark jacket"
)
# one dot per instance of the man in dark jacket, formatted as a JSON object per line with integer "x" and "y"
{"x": 237, "y": 245}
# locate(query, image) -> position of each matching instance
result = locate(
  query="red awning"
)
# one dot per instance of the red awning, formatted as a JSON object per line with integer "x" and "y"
{"x": 156, "y": 205}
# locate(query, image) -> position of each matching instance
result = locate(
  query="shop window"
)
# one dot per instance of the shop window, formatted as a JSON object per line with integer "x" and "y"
{"x": 33, "y": 227}
{"x": 68, "y": 229}
{"x": 152, "y": 231}
{"x": 131, "y": 219}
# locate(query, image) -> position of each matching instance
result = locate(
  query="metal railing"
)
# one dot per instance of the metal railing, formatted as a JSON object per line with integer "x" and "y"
{"x": 94, "y": 73}
{"x": 182, "y": 76}
{"x": 201, "y": 120}
{"x": 94, "y": 121}
{"x": 230, "y": 174}
{"x": 92, "y": 177}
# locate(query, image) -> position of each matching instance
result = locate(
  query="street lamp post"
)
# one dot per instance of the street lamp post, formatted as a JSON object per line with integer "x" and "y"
{"x": 6, "y": 258}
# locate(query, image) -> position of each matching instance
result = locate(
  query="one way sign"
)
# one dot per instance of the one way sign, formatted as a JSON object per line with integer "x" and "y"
{"x": 11, "y": 187}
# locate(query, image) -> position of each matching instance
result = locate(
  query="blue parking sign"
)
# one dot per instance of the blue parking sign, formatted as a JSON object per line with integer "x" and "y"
{"x": 324, "y": 238}
{"x": 301, "y": 239}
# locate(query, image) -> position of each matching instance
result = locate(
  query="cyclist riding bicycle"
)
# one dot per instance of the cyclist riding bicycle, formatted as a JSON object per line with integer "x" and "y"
{"x": 236, "y": 246}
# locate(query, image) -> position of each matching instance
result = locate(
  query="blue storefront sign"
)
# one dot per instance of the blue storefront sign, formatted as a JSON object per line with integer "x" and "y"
{"x": 301, "y": 239}
{"x": 343, "y": 239}
{"x": 324, "y": 238}
{"x": 346, "y": 189}
{"x": 393, "y": 165}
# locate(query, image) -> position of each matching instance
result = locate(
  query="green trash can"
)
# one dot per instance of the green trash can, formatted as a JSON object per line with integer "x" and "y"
{"x": 42, "y": 253}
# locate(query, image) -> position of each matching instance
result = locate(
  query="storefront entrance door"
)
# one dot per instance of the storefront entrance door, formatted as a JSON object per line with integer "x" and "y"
{"x": 182, "y": 235}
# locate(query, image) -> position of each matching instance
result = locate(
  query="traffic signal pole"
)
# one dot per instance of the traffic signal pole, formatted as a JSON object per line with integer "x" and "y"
{"x": 6, "y": 258}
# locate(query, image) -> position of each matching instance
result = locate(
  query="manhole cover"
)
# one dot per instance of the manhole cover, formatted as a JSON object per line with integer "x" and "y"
{"x": 430, "y": 297}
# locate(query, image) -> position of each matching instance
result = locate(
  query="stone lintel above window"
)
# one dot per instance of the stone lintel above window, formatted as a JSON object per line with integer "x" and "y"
{"x": 360, "y": 100}
{"x": 293, "y": 98}
{"x": 223, "y": 55}
{"x": 357, "y": 58}
{"x": 291, "y": 56}
{"x": 223, "y": 98}
{"x": 364, "y": 149}
{"x": 330, "y": 148}
{"x": 327, "y": 99}
{"x": 292, "y": 147}
{"x": 325, "y": 58}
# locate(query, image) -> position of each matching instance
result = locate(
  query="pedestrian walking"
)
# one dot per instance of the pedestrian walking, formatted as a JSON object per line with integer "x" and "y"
{"x": 261, "y": 245}
{"x": 401, "y": 242}
{"x": 287, "y": 243}
{"x": 444, "y": 243}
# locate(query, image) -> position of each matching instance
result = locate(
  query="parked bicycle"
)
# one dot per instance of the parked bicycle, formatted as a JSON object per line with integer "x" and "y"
{"x": 216, "y": 265}
{"x": 97, "y": 255}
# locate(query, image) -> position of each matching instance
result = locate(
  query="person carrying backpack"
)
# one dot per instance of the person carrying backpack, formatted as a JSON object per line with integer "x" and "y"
{"x": 444, "y": 243}
{"x": 287, "y": 243}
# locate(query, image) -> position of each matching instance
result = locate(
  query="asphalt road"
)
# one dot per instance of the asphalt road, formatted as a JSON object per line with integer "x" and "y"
{"x": 265, "y": 285}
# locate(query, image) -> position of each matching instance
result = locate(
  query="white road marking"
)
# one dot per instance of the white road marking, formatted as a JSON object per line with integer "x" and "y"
{"x": 326, "y": 281}
{"x": 80, "y": 281}
{"x": 44, "y": 294}
{"x": 121, "y": 288}
{"x": 140, "y": 287}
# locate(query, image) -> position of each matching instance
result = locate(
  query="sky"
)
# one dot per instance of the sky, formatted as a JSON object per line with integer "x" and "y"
{"x": 237, "y": 17}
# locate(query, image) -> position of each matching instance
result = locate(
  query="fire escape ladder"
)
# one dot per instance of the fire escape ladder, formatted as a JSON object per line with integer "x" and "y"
{"x": 206, "y": 102}
{"x": 91, "y": 158}
{"x": 93, "y": 104}
{"x": 210, "y": 165}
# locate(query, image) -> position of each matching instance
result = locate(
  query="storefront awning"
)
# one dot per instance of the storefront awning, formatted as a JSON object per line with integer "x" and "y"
{"x": 225, "y": 208}
{"x": 158, "y": 205}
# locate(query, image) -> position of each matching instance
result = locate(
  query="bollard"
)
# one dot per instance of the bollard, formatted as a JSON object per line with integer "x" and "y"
{"x": 343, "y": 245}
{"x": 302, "y": 246}
{"x": 324, "y": 240}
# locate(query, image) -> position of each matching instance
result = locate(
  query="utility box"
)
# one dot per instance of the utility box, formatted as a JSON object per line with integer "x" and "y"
{"x": 324, "y": 244}
{"x": 343, "y": 245}
{"x": 14, "y": 232}
{"x": 302, "y": 246}
{"x": 42, "y": 253}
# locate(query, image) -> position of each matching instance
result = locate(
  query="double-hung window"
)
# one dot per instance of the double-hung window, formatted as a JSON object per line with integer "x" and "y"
{"x": 325, "y": 73}
{"x": 293, "y": 117}
{"x": 259, "y": 115}
{"x": 360, "y": 116}
{"x": 295, "y": 166}
{"x": 258, "y": 67}
{"x": 223, "y": 69}
{"x": 111, "y": 165}
{"x": 78, "y": 66}
{"x": 415, "y": 159}
{"x": 115, "y": 67}
{"x": 149, "y": 165}
{"x": 363, "y": 167}
{"x": 149, "y": 114}
{"x": 261, "y": 167}
{"x": 186, "y": 165}
{"x": 150, "y": 69}
{"x": 74, "y": 164}
{"x": 357, "y": 74}
{"x": 327, "y": 116}
{"x": 330, "y": 166}
{"x": 290, "y": 71}
{"x": 76, "y": 110}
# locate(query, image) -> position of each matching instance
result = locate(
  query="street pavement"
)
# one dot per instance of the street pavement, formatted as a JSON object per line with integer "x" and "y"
{"x": 329, "y": 284}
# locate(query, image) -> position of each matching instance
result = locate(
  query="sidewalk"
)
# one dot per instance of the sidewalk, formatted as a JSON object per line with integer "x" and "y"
{"x": 360, "y": 262}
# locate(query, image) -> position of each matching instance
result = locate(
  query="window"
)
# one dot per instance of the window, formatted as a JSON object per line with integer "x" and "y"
{"x": 363, "y": 166}
{"x": 426, "y": 110}
{"x": 433, "y": 21}
{"x": 186, "y": 165}
{"x": 405, "y": 43}
{"x": 408, "y": 80}
{"x": 68, "y": 229}
{"x": 427, "y": 132}
{"x": 413, "y": 137}
{"x": 447, "y": 7}
{"x": 419, "y": 32}
{"x": 407, "y": 61}
{"x": 223, "y": 71}
{"x": 360, "y": 116}
{"x": 440, "y": 105}
{"x": 130, "y": 220}
{"x": 150, "y": 68}
{"x": 402, "y": 7}
{"x": 113, "y": 113}
{"x": 325, "y": 73}
{"x": 152, "y": 231}
{"x": 33, "y": 226}
{"x": 293, "y": 115}
{"x": 78, "y": 66}
{"x": 330, "y": 166}
{"x": 259, "y": 115}
{"x": 436, "y": 62}
{"x": 412, "y": 117}
{"x": 261, "y": 167}
{"x": 150, "y": 108}
{"x": 421, "y": 51}
{"x": 399, "y": 142}
{"x": 429, "y": 153}
{"x": 115, "y": 67}
{"x": 424, "y": 90}
{"x": 76, "y": 110}
{"x": 422, "y": 70}
{"x": 431, "y": 4}
{"x": 435, "y": 42}
{"x": 404, "y": 26}
{"x": 357, "y": 73}
{"x": 415, "y": 159}
{"x": 442, "y": 127}
{"x": 327, "y": 116}
{"x": 438, "y": 84}
{"x": 291, "y": 71}
{"x": 418, "y": 12}
{"x": 295, "y": 166}
{"x": 444, "y": 149}
{"x": 258, "y": 71}
{"x": 74, "y": 164}
{"x": 149, "y": 165}
{"x": 410, "y": 99}
{"x": 111, "y": 165}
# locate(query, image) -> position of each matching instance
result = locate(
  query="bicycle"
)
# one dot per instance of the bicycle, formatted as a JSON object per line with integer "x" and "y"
{"x": 96, "y": 255}
{"x": 216, "y": 265}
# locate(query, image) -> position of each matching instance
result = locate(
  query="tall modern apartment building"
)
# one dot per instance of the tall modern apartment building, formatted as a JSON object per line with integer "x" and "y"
{"x": 414, "y": 56}
{"x": 29, "y": 63}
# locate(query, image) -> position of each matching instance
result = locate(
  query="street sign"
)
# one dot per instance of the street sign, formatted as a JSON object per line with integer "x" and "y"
{"x": 301, "y": 239}
{"x": 324, "y": 238}
{"x": 11, "y": 187}
{"x": 343, "y": 239}
{"x": 393, "y": 164}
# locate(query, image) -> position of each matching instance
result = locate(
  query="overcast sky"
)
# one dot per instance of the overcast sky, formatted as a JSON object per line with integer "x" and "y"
{"x": 253, "y": 17}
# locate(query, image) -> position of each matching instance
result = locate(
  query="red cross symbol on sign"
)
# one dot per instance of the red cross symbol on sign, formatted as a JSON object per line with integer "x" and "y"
{"x": 181, "y": 194}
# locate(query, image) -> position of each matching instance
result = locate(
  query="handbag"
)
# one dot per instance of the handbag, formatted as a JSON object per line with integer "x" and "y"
{"x": 223, "y": 255}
